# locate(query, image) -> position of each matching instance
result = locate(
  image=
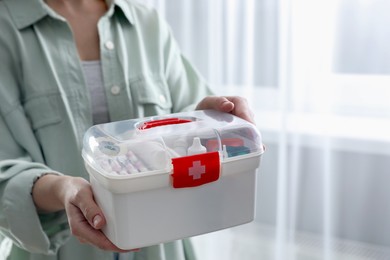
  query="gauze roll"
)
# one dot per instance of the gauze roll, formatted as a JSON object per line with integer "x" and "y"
{"x": 153, "y": 154}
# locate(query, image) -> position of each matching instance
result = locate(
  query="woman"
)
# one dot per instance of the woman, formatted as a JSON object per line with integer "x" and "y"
{"x": 68, "y": 64}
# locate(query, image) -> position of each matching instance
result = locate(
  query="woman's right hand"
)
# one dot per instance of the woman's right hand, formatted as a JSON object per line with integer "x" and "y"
{"x": 53, "y": 192}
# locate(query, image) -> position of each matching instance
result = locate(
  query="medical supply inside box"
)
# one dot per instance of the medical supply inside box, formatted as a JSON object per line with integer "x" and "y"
{"x": 163, "y": 178}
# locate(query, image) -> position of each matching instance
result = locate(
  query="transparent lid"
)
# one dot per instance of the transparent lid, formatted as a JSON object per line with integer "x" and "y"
{"x": 145, "y": 145}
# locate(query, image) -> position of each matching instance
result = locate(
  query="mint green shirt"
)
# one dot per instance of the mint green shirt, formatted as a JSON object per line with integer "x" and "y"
{"x": 45, "y": 109}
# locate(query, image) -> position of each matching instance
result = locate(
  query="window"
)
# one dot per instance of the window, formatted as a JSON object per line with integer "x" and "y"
{"x": 301, "y": 59}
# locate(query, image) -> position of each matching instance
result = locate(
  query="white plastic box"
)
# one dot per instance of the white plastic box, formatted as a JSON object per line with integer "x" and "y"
{"x": 150, "y": 188}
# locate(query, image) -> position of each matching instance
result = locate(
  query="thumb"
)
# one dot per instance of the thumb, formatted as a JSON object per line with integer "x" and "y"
{"x": 217, "y": 103}
{"x": 94, "y": 215}
{"x": 98, "y": 221}
{"x": 91, "y": 211}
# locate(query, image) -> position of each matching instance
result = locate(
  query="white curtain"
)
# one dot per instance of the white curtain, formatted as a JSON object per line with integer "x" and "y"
{"x": 317, "y": 74}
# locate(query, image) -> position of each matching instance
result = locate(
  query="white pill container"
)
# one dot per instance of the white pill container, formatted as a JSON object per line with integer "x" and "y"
{"x": 163, "y": 178}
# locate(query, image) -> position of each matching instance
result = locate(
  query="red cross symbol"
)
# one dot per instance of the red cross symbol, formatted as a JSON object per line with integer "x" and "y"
{"x": 196, "y": 170}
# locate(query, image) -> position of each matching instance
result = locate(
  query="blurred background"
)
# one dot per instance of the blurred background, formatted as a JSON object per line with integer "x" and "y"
{"x": 317, "y": 75}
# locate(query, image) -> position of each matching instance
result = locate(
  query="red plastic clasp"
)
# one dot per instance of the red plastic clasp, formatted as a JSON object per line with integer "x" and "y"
{"x": 195, "y": 170}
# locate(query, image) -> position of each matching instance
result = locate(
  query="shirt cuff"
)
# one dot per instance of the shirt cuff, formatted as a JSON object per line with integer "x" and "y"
{"x": 36, "y": 233}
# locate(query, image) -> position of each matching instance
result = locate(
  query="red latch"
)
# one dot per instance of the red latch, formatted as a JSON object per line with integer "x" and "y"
{"x": 195, "y": 170}
{"x": 161, "y": 122}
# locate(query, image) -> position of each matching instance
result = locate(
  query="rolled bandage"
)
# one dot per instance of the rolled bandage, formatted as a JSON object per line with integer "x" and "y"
{"x": 153, "y": 155}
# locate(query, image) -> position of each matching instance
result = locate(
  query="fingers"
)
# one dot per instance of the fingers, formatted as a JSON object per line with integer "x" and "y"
{"x": 241, "y": 108}
{"x": 85, "y": 233}
{"x": 85, "y": 217}
{"x": 235, "y": 105}
{"x": 217, "y": 103}
{"x": 90, "y": 210}
{"x": 82, "y": 197}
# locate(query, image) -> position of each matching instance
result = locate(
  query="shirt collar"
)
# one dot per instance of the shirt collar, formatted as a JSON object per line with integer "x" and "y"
{"x": 37, "y": 9}
{"x": 125, "y": 7}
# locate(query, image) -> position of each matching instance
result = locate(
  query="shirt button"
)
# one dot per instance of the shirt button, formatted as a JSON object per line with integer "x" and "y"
{"x": 162, "y": 98}
{"x": 115, "y": 90}
{"x": 109, "y": 45}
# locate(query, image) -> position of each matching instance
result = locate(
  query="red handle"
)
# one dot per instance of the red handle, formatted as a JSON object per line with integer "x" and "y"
{"x": 161, "y": 122}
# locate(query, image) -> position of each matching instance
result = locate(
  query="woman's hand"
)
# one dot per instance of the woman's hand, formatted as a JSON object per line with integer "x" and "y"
{"x": 52, "y": 193}
{"x": 235, "y": 105}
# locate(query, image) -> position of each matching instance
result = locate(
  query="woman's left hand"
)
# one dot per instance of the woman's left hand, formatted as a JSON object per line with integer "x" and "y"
{"x": 235, "y": 105}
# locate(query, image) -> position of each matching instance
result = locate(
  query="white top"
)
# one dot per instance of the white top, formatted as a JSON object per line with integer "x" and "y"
{"x": 94, "y": 78}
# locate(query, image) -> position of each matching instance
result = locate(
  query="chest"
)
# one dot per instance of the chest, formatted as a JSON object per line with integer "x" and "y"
{"x": 83, "y": 20}
{"x": 51, "y": 70}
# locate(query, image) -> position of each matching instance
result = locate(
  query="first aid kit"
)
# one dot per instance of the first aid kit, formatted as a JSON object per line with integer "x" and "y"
{"x": 163, "y": 178}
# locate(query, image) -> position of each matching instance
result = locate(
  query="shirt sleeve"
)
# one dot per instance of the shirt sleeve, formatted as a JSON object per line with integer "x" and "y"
{"x": 19, "y": 219}
{"x": 21, "y": 163}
